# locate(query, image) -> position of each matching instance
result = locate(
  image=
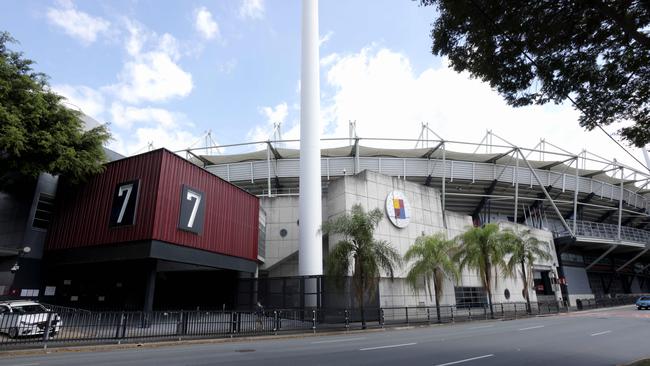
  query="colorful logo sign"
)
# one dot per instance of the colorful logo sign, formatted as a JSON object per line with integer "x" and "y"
{"x": 398, "y": 209}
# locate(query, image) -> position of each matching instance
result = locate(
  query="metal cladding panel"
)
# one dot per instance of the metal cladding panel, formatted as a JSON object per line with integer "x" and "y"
{"x": 230, "y": 222}
{"x": 83, "y": 213}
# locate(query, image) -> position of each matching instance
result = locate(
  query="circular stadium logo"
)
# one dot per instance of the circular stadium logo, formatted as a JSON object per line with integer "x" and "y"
{"x": 398, "y": 209}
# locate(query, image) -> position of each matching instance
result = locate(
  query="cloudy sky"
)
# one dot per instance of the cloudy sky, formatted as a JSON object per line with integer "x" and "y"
{"x": 166, "y": 72}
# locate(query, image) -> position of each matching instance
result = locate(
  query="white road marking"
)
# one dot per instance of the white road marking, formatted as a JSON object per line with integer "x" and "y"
{"x": 535, "y": 327}
{"x": 26, "y": 364}
{"x": 465, "y": 360}
{"x": 483, "y": 326}
{"x": 600, "y": 333}
{"x": 391, "y": 346}
{"x": 339, "y": 340}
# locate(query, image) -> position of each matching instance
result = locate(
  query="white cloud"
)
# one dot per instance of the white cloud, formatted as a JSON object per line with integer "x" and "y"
{"x": 126, "y": 117}
{"x": 380, "y": 90}
{"x": 253, "y": 9}
{"x": 77, "y": 24}
{"x": 324, "y": 39}
{"x": 152, "y": 73}
{"x": 205, "y": 24}
{"x": 227, "y": 67}
{"x": 90, "y": 101}
{"x": 139, "y": 140}
{"x": 277, "y": 114}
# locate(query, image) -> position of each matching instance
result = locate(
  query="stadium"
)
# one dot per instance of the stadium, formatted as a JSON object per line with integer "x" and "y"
{"x": 592, "y": 212}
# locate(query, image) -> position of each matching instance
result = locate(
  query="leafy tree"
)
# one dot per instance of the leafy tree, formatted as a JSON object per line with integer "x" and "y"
{"x": 432, "y": 257}
{"x": 524, "y": 250}
{"x": 37, "y": 133}
{"x": 483, "y": 249}
{"x": 595, "y": 53}
{"x": 361, "y": 251}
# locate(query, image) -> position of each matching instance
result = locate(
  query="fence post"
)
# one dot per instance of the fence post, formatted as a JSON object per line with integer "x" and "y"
{"x": 275, "y": 322}
{"x": 503, "y": 314}
{"x": 429, "y": 316}
{"x": 485, "y": 311}
{"x": 347, "y": 319}
{"x": 382, "y": 320}
{"x": 119, "y": 326}
{"x": 452, "y": 314}
{"x": 515, "y": 310}
{"x": 406, "y": 308}
{"x": 313, "y": 321}
{"x": 233, "y": 323}
{"x": 470, "y": 312}
{"x": 46, "y": 333}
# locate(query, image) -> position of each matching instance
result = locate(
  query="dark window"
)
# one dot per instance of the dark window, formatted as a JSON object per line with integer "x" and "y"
{"x": 470, "y": 297}
{"x": 43, "y": 213}
{"x": 261, "y": 239}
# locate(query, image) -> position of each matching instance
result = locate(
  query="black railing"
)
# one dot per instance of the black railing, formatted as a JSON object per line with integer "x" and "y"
{"x": 604, "y": 302}
{"x": 65, "y": 326}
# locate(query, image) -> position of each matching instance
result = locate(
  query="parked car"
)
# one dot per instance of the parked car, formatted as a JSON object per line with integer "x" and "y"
{"x": 643, "y": 302}
{"x": 27, "y": 318}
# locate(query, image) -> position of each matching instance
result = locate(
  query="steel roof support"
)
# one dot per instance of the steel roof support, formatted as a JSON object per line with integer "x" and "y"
{"x": 268, "y": 167}
{"x": 620, "y": 206}
{"x": 516, "y": 178}
{"x": 541, "y": 185}
{"x": 488, "y": 192}
{"x": 632, "y": 260}
{"x": 575, "y": 198}
{"x": 614, "y": 246}
{"x": 444, "y": 174}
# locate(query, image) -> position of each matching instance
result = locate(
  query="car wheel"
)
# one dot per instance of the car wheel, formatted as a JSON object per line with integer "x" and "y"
{"x": 13, "y": 333}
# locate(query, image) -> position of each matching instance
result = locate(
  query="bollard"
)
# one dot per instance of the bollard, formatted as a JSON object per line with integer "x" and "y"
{"x": 407, "y": 314}
{"x": 429, "y": 316}
{"x": 347, "y": 319}
{"x": 382, "y": 320}
{"x": 313, "y": 321}
{"x": 470, "y": 312}
{"x": 503, "y": 314}
{"x": 452, "y": 314}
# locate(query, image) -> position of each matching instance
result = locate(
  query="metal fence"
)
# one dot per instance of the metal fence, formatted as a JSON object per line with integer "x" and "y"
{"x": 604, "y": 302}
{"x": 66, "y": 327}
{"x": 606, "y": 231}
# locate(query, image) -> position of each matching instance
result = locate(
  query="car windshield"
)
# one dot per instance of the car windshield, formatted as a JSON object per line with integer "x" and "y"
{"x": 644, "y": 298}
{"x": 29, "y": 309}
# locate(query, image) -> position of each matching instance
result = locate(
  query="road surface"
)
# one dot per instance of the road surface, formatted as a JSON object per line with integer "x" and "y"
{"x": 601, "y": 337}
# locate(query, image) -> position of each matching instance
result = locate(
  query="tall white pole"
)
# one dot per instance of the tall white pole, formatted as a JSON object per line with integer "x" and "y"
{"x": 311, "y": 253}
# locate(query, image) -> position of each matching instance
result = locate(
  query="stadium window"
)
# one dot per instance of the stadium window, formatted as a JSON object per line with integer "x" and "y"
{"x": 43, "y": 212}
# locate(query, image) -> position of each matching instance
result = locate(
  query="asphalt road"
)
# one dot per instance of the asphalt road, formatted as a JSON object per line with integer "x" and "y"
{"x": 604, "y": 337}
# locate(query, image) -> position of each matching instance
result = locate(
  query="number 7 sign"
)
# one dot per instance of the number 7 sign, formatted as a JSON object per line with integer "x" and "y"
{"x": 125, "y": 201}
{"x": 192, "y": 210}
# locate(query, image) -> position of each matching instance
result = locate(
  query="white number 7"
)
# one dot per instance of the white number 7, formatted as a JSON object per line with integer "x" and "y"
{"x": 197, "y": 201}
{"x": 126, "y": 188}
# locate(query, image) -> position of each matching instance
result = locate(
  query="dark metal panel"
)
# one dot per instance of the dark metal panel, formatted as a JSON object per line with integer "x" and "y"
{"x": 83, "y": 212}
{"x": 231, "y": 215}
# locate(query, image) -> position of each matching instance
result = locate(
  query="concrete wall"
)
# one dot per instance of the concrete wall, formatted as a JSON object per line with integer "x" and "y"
{"x": 370, "y": 189}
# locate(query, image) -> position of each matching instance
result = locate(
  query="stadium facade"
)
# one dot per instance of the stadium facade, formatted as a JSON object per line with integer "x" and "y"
{"x": 592, "y": 213}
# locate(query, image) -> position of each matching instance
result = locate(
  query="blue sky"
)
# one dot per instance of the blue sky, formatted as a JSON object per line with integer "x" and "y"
{"x": 167, "y": 71}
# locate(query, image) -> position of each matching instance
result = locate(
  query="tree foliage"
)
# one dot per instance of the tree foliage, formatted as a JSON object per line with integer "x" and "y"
{"x": 524, "y": 250}
{"x": 595, "y": 52}
{"x": 37, "y": 133}
{"x": 483, "y": 249}
{"x": 360, "y": 251}
{"x": 432, "y": 261}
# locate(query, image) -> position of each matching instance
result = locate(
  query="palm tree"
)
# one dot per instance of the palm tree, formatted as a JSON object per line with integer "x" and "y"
{"x": 482, "y": 249}
{"x": 433, "y": 260}
{"x": 370, "y": 255}
{"x": 525, "y": 249}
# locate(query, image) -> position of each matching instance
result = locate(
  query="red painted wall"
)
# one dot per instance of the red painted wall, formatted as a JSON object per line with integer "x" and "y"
{"x": 231, "y": 214}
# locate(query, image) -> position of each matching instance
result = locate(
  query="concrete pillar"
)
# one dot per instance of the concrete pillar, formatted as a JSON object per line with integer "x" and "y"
{"x": 150, "y": 285}
{"x": 311, "y": 253}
